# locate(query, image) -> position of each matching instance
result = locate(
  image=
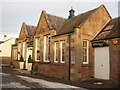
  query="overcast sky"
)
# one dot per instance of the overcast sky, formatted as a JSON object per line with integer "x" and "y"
{"x": 15, "y": 12}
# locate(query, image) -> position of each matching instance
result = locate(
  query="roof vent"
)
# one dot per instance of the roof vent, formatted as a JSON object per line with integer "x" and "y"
{"x": 109, "y": 27}
{"x": 71, "y": 12}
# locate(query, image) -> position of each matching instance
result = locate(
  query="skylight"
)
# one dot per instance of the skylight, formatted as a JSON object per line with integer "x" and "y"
{"x": 109, "y": 27}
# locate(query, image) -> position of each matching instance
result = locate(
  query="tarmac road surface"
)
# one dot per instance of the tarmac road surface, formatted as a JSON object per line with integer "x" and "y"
{"x": 13, "y": 79}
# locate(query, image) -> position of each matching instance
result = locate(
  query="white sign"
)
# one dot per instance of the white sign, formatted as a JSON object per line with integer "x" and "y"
{"x": 72, "y": 59}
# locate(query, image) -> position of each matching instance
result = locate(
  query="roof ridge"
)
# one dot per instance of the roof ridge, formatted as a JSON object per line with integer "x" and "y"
{"x": 57, "y": 16}
{"x": 83, "y": 17}
{"x": 84, "y": 12}
{"x": 30, "y": 25}
{"x": 113, "y": 32}
{"x": 8, "y": 39}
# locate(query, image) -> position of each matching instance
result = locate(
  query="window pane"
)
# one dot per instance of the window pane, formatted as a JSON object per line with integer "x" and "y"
{"x": 84, "y": 43}
{"x": 62, "y": 51}
{"x": 56, "y": 52}
{"x": 85, "y": 52}
{"x": 46, "y": 48}
{"x": 38, "y": 48}
{"x": 38, "y": 43}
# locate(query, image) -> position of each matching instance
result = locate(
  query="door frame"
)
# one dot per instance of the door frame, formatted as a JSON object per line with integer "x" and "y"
{"x": 26, "y": 62}
{"x": 102, "y": 63}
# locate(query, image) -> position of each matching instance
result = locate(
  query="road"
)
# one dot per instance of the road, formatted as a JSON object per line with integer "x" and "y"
{"x": 14, "y": 79}
{"x": 11, "y": 79}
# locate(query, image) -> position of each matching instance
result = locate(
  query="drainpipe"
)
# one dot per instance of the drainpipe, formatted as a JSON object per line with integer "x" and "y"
{"x": 69, "y": 57}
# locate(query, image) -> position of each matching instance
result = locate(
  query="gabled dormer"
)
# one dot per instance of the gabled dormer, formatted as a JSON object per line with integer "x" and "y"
{"x": 26, "y": 31}
{"x": 23, "y": 33}
{"x": 49, "y": 22}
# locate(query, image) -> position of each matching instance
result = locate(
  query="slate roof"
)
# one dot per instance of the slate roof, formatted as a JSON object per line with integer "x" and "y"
{"x": 56, "y": 21}
{"x": 113, "y": 32}
{"x": 30, "y": 29}
{"x": 76, "y": 21}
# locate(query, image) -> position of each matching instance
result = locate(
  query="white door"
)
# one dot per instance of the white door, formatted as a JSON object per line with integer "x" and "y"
{"x": 102, "y": 65}
{"x": 29, "y": 52}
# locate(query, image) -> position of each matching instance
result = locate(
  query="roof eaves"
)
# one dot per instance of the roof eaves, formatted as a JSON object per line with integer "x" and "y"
{"x": 101, "y": 30}
{"x": 63, "y": 34}
{"x": 43, "y": 11}
{"x": 105, "y": 39}
{"x": 106, "y": 10}
{"x": 47, "y": 20}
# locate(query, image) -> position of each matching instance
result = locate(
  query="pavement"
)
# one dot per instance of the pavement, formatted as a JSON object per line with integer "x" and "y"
{"x": 16, "y": 78}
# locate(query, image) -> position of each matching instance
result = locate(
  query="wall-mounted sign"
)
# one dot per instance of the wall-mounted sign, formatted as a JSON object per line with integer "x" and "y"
{"x": 115, "y": 42}
{"x": 100, "y": 44}
{"x": 72, "y": 59}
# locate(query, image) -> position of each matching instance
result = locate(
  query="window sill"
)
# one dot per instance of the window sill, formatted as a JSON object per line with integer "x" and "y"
{"x": 37, "y": 61}
{"x": 60, "y": 64}
{"x": 45, "y": 62}
{"x": 16, "y": 60}
{"x": 86, "y": 65}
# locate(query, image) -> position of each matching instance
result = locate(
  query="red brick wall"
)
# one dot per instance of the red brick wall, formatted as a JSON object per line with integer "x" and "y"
{"x": 114, "y": 62}
{"x": 119, "y": 63}
{"x": 59, "y": 71}
{"x": 87, "y": 31}
{"x": 15, "y": 63}
{"x": 5, "y": 60}
{"x": 42, "y": 24}
{"x": 84, "y": 72}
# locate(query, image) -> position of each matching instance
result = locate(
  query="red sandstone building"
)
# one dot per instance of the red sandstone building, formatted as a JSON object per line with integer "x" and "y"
{"x": 107, "y": 52}
{"x": 65, "y": 50}
{"x": 62, "y": 47}
{"x": 23, "y": 45}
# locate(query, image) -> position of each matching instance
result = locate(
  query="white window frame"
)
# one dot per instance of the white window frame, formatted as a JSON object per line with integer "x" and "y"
{"x": 19, "y": 50}
{"x": 36, "y": 47}
{"x": 61, "y": 61}
{"x": 109, "y": 27}
{"x": 55, "y": 51}
{"x": 23, "y": 52}
{"x": 45, "y": 49}
{"x": 87, "y": 62}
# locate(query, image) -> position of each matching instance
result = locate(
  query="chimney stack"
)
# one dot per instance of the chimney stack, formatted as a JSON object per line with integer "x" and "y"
{"x": 5, "y": 37}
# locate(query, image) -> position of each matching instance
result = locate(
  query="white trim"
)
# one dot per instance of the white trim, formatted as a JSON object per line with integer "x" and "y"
{"x": 55, "y": 52}
{"x": 101, "y": 29}
{"x": 19, "y": 50}
{"x": 44, "y": 48}
{"x": 23, "y": 48}
{"x": 102, "y": 63}
{"x": 36, "y": 47}
{"x": 61, "y": 51}
{"x": 45, "y": 38}
{"x": 29, "y": 51}
{"x": 87, "y": 53}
